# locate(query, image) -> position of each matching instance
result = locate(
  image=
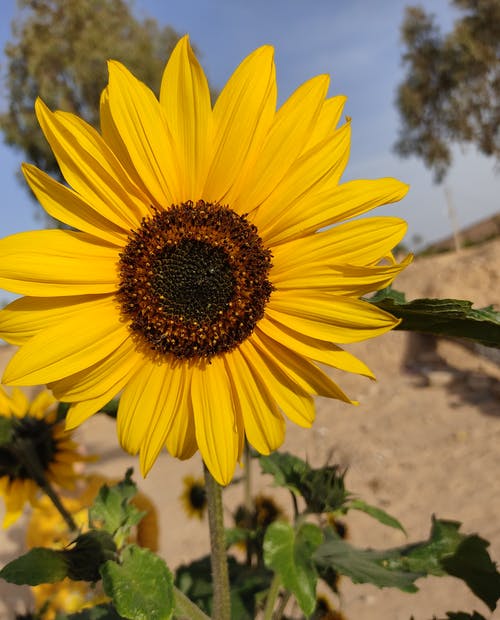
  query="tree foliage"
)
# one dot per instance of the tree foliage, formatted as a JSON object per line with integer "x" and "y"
{"x": 59, "y": 52}
{"x": 451, "y": 91}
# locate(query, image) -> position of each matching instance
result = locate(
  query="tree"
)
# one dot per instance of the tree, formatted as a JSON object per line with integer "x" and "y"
{"x": 59, "y": 53}
{"x": 451, "y": 92}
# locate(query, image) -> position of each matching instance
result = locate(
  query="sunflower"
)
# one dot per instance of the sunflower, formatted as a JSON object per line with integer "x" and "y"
{"x": 204, "y": 280}
{"x": 35, "y": 427}
{"x": 194, "y": 497}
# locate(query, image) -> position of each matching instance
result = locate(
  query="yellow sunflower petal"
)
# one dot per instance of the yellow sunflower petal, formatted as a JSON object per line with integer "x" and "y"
{"x": 344, "y": 280}
{"x": 217, "y": 426}
{"x": 100, "y": 378}
{"x": 289, "y": 132}
{"x": 326, "y": 207}
{"x": 68, "y": 207}
{"x": 141, "y": 123}
{"x": 296, "y": 403}
{"x": 319, "y": 168}
{"x": 328, "y": 120}
{"x": 17, "y": 493}
{"x": 298, "y": 368}
{"x": 360, "y": 242}
{"x": 19, "y": 403}
{"x": 167, "y": 391}
{"x": 25, "y": 317}
{"x": 41, "y": 403}
{"x": 264, "y": 425}
{"x": 185, "y": 96}
{"x": 75, "y": 344}
{"x": 91, "y": 168}
{"x": 327, "y": 317}
{"x": 243, "y": 114}
{"x": 318, "y": 350}
{"x": 56, "y": 262}
{"x": 138, "y": 397}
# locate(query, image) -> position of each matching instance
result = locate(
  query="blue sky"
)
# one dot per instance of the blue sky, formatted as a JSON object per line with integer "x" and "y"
{"x": 357, "y": 43}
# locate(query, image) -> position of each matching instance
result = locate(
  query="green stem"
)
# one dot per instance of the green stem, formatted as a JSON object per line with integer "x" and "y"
{"x": 185, "y": 608}
{"x": 220, "y": 577}
{"x": 31, "y": 462}
{"x": 272, "y": 595}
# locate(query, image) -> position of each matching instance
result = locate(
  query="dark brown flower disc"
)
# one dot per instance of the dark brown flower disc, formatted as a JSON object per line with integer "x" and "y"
{"x": 194, "y": 280}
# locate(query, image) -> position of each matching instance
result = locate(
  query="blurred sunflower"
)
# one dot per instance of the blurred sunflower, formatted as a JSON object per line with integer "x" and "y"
{"x": 194, "y": 497}
{"x": 204, "y": 280}
{"x": 36, "y": 434}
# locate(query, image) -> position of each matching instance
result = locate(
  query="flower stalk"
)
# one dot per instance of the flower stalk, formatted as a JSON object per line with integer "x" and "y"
{"x": 220, "y": 576}
{"x": 24, "y": 452}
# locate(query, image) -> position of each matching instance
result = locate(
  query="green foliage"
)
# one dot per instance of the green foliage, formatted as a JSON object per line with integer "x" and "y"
{"x": 37, "y": 566}
{"x": 446, "y": 552}
{"x": 289, "y": 551}
{"x": 377, "y": 513}
{"x": 286, "y": 469}
{"x": 247, "y": 585}
{"x": 113, "y": 511}
{"x": 442, "y": 317}
{"x": 451, "y": 91}
{"x": 59, "y": 52}
{"x": 141, "y": 585}
{"x": 472, "y": 563}
{"x": 99, "y": 612}
{"x": 80, "y": 561}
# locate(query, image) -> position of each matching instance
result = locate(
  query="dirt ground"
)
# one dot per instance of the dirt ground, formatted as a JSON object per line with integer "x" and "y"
{"x": 424, "y": 440}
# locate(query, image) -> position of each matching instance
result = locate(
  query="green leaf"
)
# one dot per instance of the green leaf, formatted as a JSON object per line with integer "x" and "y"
{"x": 38, "y": 566}
{"x": 113, "y": 511}
{"x": 99, "y": 612}
{"x": 376, "y": 513}
{"x": 443, "y": 317}
{"x": 427, "y": 556}
{"x": 363, "y": 565}
{"x": 289, "y": 554}
{"x": 447, "y": 551}
{"x": 286, "y": 469}
{"x": 141, "y": 586}
{"x": 472, "y": 563}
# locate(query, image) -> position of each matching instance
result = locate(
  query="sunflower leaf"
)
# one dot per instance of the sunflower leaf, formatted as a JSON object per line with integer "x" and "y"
{"x": 289, "y": 553}
{"x": 141, "y": 586}
{"x": 38, "y": 566}
{"x": 377, "y": 513}
{"x": 455, "y": 318}
{"x": 446, "y": 552}
{"x": 363, "y": 565}
{"x": 113, "y": 511}
{"x": 287, "y": 469}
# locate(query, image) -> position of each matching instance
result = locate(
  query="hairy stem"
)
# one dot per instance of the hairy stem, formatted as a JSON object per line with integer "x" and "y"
{"x": 220, "y": 577}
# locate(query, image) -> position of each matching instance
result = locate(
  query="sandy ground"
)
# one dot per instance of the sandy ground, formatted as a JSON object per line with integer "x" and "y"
{"x": 423, "y": 441}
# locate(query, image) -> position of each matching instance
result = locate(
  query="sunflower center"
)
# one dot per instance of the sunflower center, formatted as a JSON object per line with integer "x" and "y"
{"x": 194, "y": 280}
{"x": 36, "y": 435}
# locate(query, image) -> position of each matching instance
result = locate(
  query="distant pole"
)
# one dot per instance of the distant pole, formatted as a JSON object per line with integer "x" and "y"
{"x": 452, "y": 216}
